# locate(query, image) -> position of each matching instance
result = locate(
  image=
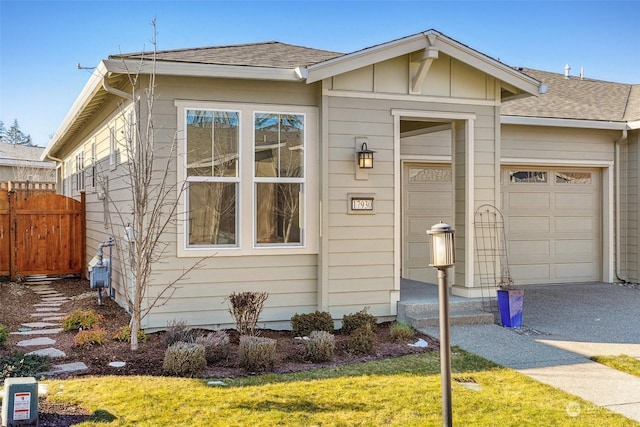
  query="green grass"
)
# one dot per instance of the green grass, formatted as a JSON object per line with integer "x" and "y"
{"x": 399, "y": 392}
{"x": 623, "y": 363}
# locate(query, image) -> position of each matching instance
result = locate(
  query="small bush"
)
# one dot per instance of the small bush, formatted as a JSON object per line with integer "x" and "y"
{"x": 22, "y": 365}
{"x": 256, "y": 354}
{"x": 91, "y": 337}
{"x": 4, "y": 334}
{"x": 362, "y": 340}
{"x": 320, "y": 346}
{"x": 81, "y": 319}
{"x": 124, "y": 335}
{"x": 178, "y": 331}
{"x": 184, "y": 359}
{"x": 245, "y": 309}
{"x": 216, "y": 346}
{"x": 303, "y": 324}
{"x": 401, "y": 331}
{"x": 351, "y": 322}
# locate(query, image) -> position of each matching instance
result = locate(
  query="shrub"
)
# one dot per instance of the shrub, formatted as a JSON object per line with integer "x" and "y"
{"x": 303, "y": 324}
{"x": 178, "y": 331}
{"x": 91, "y": 337}
{"x": 22, "y": 365}
{"x": 81, "y": 319}
{"x": 245, "y": 309}
{"x": 4, "y": 334}
{"x": 362, "y": 340}
{"x": 216, "y": 346}
{"x": 184, "y": 359}
{"x": 256, "y": 353}
{"x": 401, "y": 331}
{"x": 351, "y": 322}
{"x": 320, "y": 346}
{"x": 124, "y": 335}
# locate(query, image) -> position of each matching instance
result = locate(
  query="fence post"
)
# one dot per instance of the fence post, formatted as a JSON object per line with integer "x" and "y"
{"x": 13, "y": 260}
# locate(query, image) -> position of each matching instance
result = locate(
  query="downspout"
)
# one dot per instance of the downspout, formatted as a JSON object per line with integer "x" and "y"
{"x": 113, "y": 90}
{"x": 618, "y": 142}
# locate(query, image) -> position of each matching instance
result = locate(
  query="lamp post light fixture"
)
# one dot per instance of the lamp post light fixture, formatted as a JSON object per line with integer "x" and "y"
{"x": 365, "y": 157}
{"x": 443, "y": 257}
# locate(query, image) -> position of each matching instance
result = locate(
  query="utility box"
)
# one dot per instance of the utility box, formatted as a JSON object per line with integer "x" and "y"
{"x": 99, "y": 274}
{"x": 20, "y": 402}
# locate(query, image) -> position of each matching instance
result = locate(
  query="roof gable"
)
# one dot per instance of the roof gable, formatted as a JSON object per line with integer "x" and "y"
{"x": 430, "y": 42}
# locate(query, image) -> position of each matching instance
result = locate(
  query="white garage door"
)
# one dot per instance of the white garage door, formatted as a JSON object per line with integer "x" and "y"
{"x": 553, "y": 224}
{"x": 427, "y": 199}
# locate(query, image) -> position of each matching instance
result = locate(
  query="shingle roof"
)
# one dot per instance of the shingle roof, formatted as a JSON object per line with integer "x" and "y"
{"x": 15, "y": 154}
{"x": 270, "y": 54}
{"x": 575, "y": 98}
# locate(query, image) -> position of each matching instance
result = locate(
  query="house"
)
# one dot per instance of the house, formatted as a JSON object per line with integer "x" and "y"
{"x": 21, "y": 163}
{"x": 268, "y": 137}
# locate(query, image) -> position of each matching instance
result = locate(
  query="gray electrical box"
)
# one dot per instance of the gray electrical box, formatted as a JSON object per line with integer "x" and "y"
{"x": 20, "y": 402}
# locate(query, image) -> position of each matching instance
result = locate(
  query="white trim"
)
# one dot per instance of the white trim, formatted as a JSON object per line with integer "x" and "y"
{"x": 202, "y": 70}
{"x": 397, "y": 205}
{"x": 568, "y": 123}
{"x": 423, "y": 114}
{"x": 469, "y": 203}
{"x": 425, "y": 158}
{"x": 412, "y": 98}
{"x": 513, "y": 161}
{"x": 633, "y": 125}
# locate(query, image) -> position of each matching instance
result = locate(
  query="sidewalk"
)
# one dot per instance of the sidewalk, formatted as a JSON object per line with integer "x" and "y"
{"x": 563, "y": 326}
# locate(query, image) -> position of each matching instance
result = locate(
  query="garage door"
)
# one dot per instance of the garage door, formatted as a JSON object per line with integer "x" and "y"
{"x": 427, "y": 198}
{"x": 553, "y": 224}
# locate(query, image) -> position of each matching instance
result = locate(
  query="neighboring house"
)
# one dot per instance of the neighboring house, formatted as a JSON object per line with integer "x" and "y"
{"x": 268, "y": 135}
{"x": 21, "y": 163}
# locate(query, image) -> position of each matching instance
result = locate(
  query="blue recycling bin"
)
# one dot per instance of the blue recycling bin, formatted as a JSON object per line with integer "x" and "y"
{"x": 510, "y": 304}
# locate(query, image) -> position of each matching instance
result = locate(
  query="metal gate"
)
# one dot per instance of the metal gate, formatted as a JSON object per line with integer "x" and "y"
{"x": 41, "y": 233}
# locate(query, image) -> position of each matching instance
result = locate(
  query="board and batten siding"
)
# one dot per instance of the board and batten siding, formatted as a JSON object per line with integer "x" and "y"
{"x": 629, "y": 203}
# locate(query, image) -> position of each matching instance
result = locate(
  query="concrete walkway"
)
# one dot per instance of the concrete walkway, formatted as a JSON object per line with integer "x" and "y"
{"x": 564, "y": 325}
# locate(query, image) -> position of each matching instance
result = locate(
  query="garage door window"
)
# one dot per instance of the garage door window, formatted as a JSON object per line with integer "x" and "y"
{"x": 573, "y": 177}
{"x": 523, "y": 176}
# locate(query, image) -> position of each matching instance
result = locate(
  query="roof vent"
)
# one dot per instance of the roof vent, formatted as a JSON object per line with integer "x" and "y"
{"x": 581, "y": 73}
{"x": 567, "y": 68}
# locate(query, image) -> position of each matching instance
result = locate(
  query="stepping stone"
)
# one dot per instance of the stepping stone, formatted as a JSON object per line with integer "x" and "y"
{"x": 46, "y": 291}
{"x": 49, "y": 304}
{"x": 46, "y": 314}
{"x": 65, "y": 368}
{"x": 53, "y": 299}
{"x": 39, "y": 332}
{"x": 52, "y": 319}
{"x": 49, "y": 352}
{"x": 39, "y": 324}
{"x": 37, "y": 342}
{"x": 43, "y": 309}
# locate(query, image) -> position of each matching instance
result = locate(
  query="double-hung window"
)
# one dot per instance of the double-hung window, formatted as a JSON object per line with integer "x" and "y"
{"x": 248, "y": 186}
{"x": 213, "y": 179}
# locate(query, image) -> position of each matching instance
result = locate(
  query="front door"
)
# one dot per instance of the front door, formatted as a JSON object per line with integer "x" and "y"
{"x": 427, "y": 199}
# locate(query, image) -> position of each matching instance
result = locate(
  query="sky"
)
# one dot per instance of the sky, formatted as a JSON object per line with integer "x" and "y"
{"x": 42, "y": 42}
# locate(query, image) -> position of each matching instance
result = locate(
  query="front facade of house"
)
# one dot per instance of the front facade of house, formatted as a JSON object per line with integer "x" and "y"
{"x": 274, "y": 199}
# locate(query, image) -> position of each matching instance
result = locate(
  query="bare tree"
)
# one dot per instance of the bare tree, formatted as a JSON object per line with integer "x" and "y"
{"x": 153, "y": 197}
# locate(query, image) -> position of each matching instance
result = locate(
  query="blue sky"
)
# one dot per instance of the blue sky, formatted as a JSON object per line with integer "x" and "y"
{"x": 41, "y": 42}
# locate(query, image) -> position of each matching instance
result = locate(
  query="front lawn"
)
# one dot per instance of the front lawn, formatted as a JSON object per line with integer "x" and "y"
{"x": 623, "y": 363}
{"x": 398, "y": 392}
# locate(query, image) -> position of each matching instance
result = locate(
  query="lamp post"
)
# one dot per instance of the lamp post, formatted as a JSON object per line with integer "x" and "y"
{"x": 443, "y": 257}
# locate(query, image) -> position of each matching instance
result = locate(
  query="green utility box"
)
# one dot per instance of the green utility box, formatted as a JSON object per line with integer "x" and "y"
{"x": 20, "y": 402}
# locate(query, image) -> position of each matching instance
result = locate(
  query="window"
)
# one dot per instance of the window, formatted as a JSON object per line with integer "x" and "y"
{"x": 212, "y": 151}
{"x": 248, "y": 186}
{"x": 573, "y": 177}
{"x": 528, "y": 176}
{"x": 278, "y": 177}
{"x": 78, "y": 176}
{"x": 113, "y": 148}
{"x": 92, "y": 179}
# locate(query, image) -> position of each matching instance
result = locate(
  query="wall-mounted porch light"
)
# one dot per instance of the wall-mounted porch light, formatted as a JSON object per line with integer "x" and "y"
{"x": 443, "y": 257}
{"x": 365, "y": 157}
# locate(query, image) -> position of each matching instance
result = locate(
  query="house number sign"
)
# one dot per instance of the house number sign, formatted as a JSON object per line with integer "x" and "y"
{"x": 361, "y": 203}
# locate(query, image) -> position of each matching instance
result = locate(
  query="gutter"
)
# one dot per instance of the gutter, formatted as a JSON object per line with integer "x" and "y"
{"x": 618, "y": 142}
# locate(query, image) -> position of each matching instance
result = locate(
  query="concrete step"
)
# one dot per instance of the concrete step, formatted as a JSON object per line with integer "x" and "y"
{"x": 460, "y": 317}
{"x": 432, "y": 307}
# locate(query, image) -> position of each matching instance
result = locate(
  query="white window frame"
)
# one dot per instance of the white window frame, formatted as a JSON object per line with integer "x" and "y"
{"x": 246, "y": 224}
{"x": 113, "y": 148}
